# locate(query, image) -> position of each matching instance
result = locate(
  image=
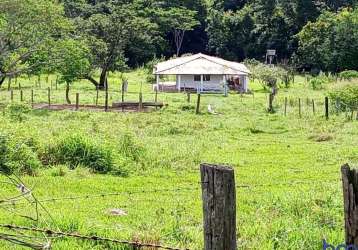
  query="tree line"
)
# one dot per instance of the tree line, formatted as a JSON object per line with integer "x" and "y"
{"x": 76, "y": 38}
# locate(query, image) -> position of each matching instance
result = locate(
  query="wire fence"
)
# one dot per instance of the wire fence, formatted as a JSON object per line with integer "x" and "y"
{"x": 44, "y": 236}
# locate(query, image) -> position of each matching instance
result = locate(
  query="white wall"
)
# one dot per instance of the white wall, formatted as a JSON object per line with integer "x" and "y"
{"x": 214, "y": 83}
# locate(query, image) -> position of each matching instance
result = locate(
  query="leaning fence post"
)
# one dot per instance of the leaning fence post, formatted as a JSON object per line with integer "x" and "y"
{"x": 219, "y": 207}
{"x": 326, "y": 103}
{"x": 313, "y": 107}
{"x": 350, "y": 198}
{"x": 198, "y": 105}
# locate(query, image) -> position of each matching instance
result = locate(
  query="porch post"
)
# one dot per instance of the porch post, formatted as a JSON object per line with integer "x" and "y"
{"x": 179, "y": 83}
{"x": 158, "y": 82}
{"x": 201, "y": 83}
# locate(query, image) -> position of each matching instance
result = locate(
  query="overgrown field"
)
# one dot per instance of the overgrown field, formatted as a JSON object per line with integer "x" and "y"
{"x": 287, "y": 168}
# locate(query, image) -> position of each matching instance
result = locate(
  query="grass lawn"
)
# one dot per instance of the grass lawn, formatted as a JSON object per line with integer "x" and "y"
{"x": 287, "y": 168}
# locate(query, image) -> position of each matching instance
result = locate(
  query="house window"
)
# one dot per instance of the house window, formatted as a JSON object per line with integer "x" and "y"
{"x": 206, "y": 78}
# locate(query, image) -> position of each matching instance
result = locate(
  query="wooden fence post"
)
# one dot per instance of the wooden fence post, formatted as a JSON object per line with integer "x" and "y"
{"x": 219, "y": 207}
{"x": 326, "y": 103}
{"x": 198, "y": 105}
{"x": 97, "y": 96}
{"x": 106, "y": 101}
{"x": 21, "y": 96}
{"x": 188, "y": 97}
{"x": 299, "y": 108}
{"x": 49, "y": 96}
{"x": 77, "y": 100}
{"x": 350, "y": 197}
{"x": 285, "y": 106}
{"x": 313, "y": 107}
{"x": 140, "y": 103}
{"x": 32, "y": 97}
{"x": 11, "y": 95}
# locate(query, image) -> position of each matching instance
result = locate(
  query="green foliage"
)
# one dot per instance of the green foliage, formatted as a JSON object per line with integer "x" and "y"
{"x": 130, "y": 147}
{"x": 17, "y": 156}
{"x": 78, "y": 150}
{"x": 28, "y": 32}
{"x": 330, "y": 42}
{"x": 346, "y": 93}
{"x": 348, "y": 75}
{"x": 17, "y": 111}
{"x": 317, "y": 82}
{"x": 267, "y": 75}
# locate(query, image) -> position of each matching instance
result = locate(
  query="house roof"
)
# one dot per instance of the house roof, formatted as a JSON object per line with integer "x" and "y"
{"x": 200, "y": 64}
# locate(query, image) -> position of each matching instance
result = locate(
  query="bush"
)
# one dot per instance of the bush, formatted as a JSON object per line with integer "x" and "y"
{"x": 348, "y": 75}
{"x": 130, "y": 148}
{"x": 317, "y": 82}
{"x": 77, "y": 150}
{"x": 17, "y": 112}
{"x": 17, "y": 157}
{"x": 346, "y": 94}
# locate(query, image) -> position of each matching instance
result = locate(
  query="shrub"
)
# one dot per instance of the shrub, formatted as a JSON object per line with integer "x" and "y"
{"x": 17, "y": 157}
{"x": 77, "y": 150}
{"x": 17, "y": 112}
{"x": 348, "y": 75}
{"x": 346, "y": 94}
{"x": 130, "y": 147}
{"x": 317, "y": 82}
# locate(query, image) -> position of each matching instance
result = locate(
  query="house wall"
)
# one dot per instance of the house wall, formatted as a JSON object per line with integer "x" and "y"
{"x": 216, "y": 82}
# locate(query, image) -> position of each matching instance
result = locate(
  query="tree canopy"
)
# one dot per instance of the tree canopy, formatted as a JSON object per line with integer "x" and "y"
{"x": 115, "y": 35}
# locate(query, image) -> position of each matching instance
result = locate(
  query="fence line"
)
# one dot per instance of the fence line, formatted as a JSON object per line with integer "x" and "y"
{"x": 50, "y": 232}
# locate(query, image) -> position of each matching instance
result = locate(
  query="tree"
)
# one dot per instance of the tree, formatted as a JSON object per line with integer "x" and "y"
{"x": 330, "y": 42}
{"x": 28, "y": 30}
{"x": 180, "y": 20}
{"x": 108, "y": 27}
{"x": 73, "y": 62}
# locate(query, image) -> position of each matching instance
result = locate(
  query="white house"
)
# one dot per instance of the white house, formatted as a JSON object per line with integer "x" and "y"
{"x": 201, "y": 73}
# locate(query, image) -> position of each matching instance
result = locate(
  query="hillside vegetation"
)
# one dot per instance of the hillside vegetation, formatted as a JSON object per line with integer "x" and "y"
{"x": 287, "y": 168}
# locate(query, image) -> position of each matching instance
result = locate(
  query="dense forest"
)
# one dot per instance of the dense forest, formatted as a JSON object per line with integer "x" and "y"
{"x": 75, "y": 38}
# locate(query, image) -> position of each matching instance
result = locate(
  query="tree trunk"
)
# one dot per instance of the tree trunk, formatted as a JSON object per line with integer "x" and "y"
{"x": 2, "y": 80}
{"x": 67, "y": 93}
{"x": 103, "y": 79}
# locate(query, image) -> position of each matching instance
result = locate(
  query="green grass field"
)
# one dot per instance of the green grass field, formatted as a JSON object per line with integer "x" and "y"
{"x": 289, "y": 165}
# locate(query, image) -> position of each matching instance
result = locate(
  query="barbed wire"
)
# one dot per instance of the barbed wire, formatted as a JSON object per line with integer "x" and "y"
{"x": 51, "y": 232}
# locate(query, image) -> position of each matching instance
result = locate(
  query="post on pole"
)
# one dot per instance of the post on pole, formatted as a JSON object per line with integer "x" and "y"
{"x": 219, "y": 207}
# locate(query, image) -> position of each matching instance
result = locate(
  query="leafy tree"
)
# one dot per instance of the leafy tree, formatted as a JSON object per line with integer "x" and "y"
{"x": 74, "y": 62}
{"x": 28, "y": 30}
{"x": 108, "y": 28}
{"x": 330, "y": 42}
